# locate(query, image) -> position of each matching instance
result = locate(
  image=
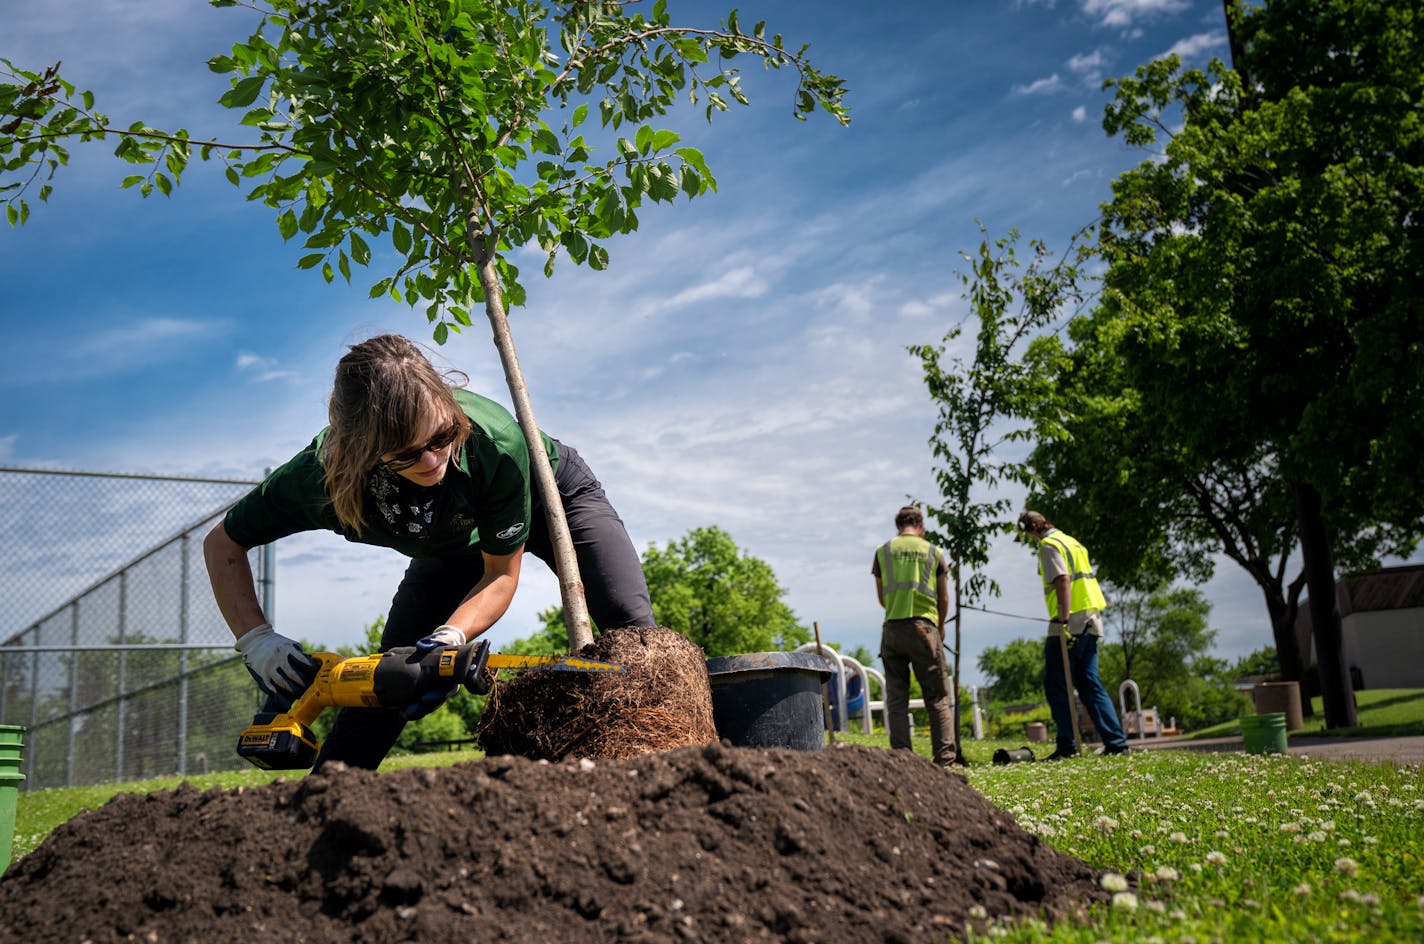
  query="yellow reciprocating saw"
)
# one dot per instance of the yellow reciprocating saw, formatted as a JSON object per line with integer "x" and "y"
{"x": 281, "y": 738}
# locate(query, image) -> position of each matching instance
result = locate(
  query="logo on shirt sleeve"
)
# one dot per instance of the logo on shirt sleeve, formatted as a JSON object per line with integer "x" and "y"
{"x": 511, "y": 531}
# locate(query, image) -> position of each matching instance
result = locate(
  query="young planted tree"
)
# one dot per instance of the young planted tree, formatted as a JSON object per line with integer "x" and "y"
{"x": 984, "y": 406}
{"x": 457, "y": 131}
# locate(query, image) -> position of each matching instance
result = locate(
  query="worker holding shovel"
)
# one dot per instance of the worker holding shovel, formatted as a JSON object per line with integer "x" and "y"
{"x": 1075, "y": 625}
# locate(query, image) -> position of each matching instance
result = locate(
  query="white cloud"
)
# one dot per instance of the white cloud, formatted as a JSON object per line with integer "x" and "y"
{"x": 1123, "y": 13}
{"x": 1199, "y": 45}
{"x": 7, "y": 445}
{"x": 1087, "y": 63}
{"x": 741, "y": 282}
{"x": 1080, "y": 114}
{"x": 262, "y": 369}
{"x": 1045, "y": 86}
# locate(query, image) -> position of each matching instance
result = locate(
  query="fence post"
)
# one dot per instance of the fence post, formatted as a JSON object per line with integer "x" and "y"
{"x": 73, "y": 694}
{"x": 183, "y": 590}
{"x": 122, "y": 680}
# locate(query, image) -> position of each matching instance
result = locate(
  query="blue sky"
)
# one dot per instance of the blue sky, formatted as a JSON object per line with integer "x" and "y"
{"x": 741, "y": 364}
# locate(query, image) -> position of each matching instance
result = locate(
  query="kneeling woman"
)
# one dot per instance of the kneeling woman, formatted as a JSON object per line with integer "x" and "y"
{"x": 441, "y": 475}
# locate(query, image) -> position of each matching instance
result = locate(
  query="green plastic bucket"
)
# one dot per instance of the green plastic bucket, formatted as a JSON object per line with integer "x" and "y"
{"x": 12, "y": 741}
{"x": 1264, "y": 734}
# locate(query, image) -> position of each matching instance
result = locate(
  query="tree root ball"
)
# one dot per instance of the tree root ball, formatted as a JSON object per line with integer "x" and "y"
{"x": 661, "y": 700}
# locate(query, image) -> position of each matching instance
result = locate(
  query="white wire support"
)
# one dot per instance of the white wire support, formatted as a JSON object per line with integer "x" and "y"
{"x": 839, "y": 664}
{"x": 1137, "y": 699}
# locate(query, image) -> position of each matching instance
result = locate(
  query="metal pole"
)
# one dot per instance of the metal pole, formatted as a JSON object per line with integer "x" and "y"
{"x": 185, "y": 549}
{"x": 121, "y": 682}
{"x": 73, "y": 694}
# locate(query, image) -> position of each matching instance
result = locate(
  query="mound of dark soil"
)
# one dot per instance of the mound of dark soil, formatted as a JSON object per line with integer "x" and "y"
{"x": 847, "y": 844}
{"x": 661, "y": 699}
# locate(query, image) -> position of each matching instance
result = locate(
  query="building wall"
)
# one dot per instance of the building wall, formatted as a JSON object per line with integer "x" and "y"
{"x": 1388, "y": 646}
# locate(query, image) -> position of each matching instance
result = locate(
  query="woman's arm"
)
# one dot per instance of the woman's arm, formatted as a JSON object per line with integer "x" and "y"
{"x": 490, "y": 598}
{"x": 231, "y": 577}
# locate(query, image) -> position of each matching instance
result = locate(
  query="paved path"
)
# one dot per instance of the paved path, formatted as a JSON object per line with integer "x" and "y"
{"x": 1397, "y": 750}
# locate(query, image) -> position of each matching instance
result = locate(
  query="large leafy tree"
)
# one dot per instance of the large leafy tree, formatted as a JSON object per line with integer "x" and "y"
{"x": 1263, "y": 287}
{"x": 711, "y": 591}
{"x": 720, "y": 597}
{"x": 457, "y": 131}
{"x": 984, "y": 408}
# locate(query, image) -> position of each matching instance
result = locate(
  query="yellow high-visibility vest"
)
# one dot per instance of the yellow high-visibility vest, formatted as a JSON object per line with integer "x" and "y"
{"x": 1085, "y": 594}
{"x": 908, "y": 578}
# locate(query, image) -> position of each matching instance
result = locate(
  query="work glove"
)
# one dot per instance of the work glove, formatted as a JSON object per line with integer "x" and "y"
{"x": 278, "y": 664}
{"x": 444, "y": 636}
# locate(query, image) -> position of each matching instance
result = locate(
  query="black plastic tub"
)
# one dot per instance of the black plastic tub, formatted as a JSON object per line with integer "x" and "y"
{"x": 769, "y": 699}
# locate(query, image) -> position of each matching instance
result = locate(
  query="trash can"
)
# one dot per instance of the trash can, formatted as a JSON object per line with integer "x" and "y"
{"x": 12, "y": 744}
{"x": 1283, "y": 697}
{"x": 769, "y": 699}
{"x": 1264, "y": 734}
{"x": 1036, "y": 731}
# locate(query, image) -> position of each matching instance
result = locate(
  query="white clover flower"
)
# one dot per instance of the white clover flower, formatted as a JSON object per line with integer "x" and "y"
{"x": 1125, "y": 901}
{"x": 1178, "y": 836}
{"x": 1350, "y": 894}
{"x": 1364, "y": 797}
{"x": 1167, "y": 874}
{"x": 1317, "y": 836}
{"x": 1222, "y": 834}
{"x": 1195, "y": 867}
{"x": 1342, "y": 843}
{"x": 1215, "y": 858}
{"x": 1177, "y": 914}
{"x": 1301, "y": 889}
{"x": 1113, "y": 882}
{"x": 1371, "y": 900}
{"x": 1156, "y": 907}
{"x": 1347, "y": 866}
{"x": 977, "y": 911}
{"x": 1290, "y": 827}
{"x": 1137, "y": 833}
{"x": 1149, "y": 850}
{"x": 1106, "y": 823}
{"x": 1369, "y": 840}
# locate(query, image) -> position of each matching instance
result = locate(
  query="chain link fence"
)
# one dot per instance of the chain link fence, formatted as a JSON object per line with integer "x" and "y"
{"x": 112, "y": 651}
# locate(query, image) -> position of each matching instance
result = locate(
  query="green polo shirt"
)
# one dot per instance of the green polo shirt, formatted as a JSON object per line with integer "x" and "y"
{"x": 483, "y": 503}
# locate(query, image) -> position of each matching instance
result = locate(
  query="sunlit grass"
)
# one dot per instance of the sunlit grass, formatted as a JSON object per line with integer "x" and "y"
{"x": 1230, "y": 847}
{"x": 1384, "y": 712}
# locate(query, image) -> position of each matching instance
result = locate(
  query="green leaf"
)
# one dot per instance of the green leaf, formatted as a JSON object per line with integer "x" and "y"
{"x": 441, "y": 333}
{"x": 597, "y": 258}
{"x": 244, "y": 92}
{"x": 131, "y": 180}
{"x": 400, "y": 238}
{"x": 287, "y": 224}
{"x": 580, "y": 113}
{"x": 310, "y": 260}
{"x": 360, "y": 252}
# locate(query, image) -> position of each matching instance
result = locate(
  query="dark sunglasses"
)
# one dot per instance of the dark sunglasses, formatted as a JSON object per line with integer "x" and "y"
{"x": 409, "y": 457}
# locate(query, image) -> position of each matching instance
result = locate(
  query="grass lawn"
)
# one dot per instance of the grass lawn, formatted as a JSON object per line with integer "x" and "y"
{"x": 1205, "y": 847}
{"x": 1386, "y": 712}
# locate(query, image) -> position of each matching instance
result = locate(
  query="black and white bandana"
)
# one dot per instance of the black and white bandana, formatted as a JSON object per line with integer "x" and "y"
{"x": 407, "y": 507}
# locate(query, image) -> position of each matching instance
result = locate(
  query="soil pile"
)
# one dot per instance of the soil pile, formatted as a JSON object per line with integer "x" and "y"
{"x": 711, "y": 843}
{"x": 661, "y": 700}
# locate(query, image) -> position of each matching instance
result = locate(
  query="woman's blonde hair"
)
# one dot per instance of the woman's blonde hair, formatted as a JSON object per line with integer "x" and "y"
{"x": 385, "y": 393}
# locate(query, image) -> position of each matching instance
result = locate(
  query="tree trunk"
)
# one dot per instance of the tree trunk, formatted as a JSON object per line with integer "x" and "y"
{"x": 1335, "y": 689}
{"x": 1283, "y": 617}
{"x": 576, "y": 621}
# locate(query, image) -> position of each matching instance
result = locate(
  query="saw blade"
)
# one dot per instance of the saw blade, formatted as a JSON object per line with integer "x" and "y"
{"x": 551, "y": 663}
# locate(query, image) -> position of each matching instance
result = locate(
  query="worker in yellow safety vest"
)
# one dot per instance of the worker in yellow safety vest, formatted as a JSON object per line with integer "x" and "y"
{"x": 1075, "y": 605}
{"x": 912, "y": 584}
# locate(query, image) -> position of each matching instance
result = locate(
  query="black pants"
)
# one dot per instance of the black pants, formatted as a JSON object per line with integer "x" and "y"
{"x": 433, "y": 587}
